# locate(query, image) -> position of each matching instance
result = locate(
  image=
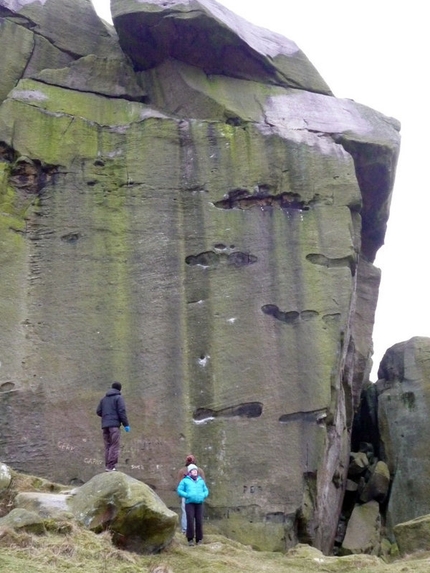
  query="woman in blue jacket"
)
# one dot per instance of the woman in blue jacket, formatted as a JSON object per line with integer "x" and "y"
{"x": 193, "y": 488}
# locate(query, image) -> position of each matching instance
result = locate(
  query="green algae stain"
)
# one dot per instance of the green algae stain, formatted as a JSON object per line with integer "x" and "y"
{"x": 13, "y": 209}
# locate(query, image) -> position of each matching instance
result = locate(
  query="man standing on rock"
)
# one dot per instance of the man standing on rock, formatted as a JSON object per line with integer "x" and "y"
{"x": 112, "y": 411}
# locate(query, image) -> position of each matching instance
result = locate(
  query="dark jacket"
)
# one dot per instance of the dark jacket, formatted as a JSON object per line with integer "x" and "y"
{"x": 194, "y": 491}
{"x": 112, "y": 410}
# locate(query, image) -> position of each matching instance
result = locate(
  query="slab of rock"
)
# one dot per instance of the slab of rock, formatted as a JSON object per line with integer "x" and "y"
{"x": 41, "y": 35}
{"x": 377, "y": 485}
{"x": 105, "y": 76}
{"x": 72, "y": 26}
{"x": 359, "y": 463}
{"x": 363, "y": 533}
{"x": 46, "y": 505}
{"x": 413, "y": 535}
{"x": 23, "y": 520}
{"x": 5, "y": 477}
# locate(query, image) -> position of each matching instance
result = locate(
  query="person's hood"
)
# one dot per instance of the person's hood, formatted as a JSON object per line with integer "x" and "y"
{"x": 113, "y": 392}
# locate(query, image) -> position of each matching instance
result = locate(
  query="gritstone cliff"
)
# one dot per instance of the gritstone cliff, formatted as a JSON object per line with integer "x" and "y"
{"x": 187, "y": 208}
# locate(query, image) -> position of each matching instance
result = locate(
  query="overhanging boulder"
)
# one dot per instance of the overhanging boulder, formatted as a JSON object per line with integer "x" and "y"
{"x": 207, "y": 35}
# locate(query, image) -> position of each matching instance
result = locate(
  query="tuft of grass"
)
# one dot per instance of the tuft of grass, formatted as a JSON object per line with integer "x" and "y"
{"x": 69, "y": 548}
{"x": 81, "y": 550}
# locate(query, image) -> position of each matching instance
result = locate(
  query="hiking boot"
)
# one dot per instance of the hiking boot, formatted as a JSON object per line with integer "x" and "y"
{"x": 190, "y": 543}
{"x": 199, "y": 542}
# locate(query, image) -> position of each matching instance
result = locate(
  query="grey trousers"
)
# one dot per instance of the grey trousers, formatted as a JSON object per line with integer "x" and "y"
{"x": 111, "y": 438}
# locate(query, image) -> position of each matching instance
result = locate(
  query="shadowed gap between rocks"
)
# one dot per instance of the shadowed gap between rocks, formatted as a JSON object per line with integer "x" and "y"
{"x": 212, "y": 259}
{"x": 289, "y": 317}
{"x": 243, "y": 199}
{"x": 27, "y": 176}
{"x": 246, "y": 410}
{"x": 375, "y": 167}
{"x": 311, "y": 416}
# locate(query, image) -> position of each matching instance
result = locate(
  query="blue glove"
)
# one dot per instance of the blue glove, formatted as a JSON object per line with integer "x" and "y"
{"x": 127, "y": 428}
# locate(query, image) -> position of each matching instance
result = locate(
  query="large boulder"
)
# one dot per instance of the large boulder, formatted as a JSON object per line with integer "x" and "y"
{"x": 204, "y": 232}
{"x": 132, "y": 511}
{"x": 403, "y": 401}
{"x": 134, "y": 514}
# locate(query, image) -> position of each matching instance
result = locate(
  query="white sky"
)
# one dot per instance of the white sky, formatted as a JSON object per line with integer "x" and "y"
{"x": 375, "y": 52}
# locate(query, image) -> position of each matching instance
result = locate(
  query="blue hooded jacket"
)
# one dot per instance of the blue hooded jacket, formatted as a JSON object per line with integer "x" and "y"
{"x": 194, "y": 491}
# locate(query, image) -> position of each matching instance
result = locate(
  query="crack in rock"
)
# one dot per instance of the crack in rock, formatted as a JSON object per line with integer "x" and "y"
{"x": 245, "y": 410}
{"x": 311, "y": 416}
{"x": 244, "y": 199}
{"x": 322, "y": 260}
{"x": 289, "y": 317}
{"x": 211, "y": 259}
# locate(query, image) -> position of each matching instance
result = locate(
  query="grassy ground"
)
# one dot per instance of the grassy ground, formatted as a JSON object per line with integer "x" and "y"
{"x": 82, "y": 551}
{"x": 76, "y": 550}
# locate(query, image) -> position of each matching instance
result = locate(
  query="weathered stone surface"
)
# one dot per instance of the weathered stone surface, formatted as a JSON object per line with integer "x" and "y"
{"x": 363, "y": 533}
{"x": 413, "y": 535}
{"x": 206, "y": 35}
{"x": 132, "y": 511}
{"x": 23, "y": 520}
{"x": 351, "y": 485}
{"x": 49, "y": 35}
{"x": 70, "y": 25}
{"x": 404, "y": 425}
{"x": 45, "y": 505}
{"x": 5, "y": 477}
{"x": 358, "y": 464}
{"x": 377, "y": 486}
{"x": 212, "y": 256}
{"x": 105, "y": 76}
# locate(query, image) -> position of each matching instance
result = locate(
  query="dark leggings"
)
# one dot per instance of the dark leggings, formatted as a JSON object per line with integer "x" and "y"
{"x": 194, "y": 512}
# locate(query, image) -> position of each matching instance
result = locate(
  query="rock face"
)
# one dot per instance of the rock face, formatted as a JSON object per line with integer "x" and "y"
{"x": 393, "y": 415}
{"x": 186, "y": 208}
{"x": 403, "y": 404}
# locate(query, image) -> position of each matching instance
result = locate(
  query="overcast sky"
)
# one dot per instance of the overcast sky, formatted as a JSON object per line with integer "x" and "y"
{"x": 375, "y": 52}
